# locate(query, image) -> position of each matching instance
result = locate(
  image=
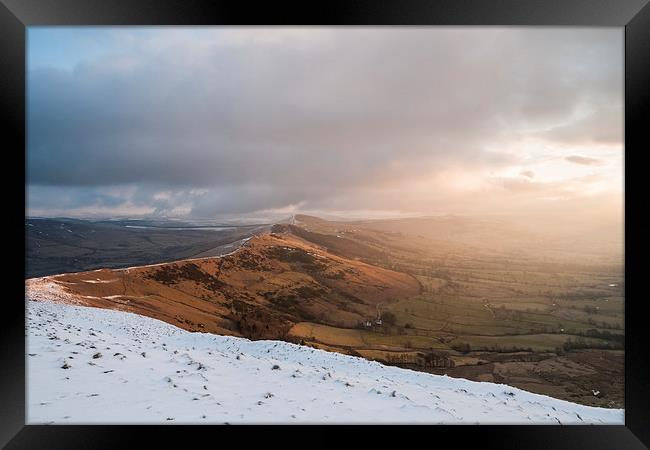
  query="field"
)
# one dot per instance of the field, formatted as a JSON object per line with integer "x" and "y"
{"x": 490, "y": 308}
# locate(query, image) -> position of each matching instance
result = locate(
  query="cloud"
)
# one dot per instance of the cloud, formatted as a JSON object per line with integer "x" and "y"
{"x": 234, "y": 120}
{"x": 603, "y": 126}
{"x": 583, "y": 160}
{"x": 527, "y": 173}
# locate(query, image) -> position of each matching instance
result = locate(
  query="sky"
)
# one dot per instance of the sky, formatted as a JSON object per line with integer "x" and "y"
{"x": 212, "y": 122}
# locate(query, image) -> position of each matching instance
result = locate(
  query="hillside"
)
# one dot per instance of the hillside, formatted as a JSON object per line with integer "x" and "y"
{"x": 260, "y": 291}
{"x": 89, "y": 366}
{"x": 478, "y": 310}
{"x": 502, "y": 300}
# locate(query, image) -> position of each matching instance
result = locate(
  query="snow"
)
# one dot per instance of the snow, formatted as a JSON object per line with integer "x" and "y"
{"x": 100, "y": 281}
{"x": 48, "y": 290}
{"x": 185, "y": 377}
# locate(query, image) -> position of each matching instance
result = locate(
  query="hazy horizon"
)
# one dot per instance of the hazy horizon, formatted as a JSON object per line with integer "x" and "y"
{"x": 210, "y": 122}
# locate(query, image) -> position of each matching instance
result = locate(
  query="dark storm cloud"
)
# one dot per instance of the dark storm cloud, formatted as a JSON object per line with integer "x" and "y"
{"x": 63, "y": 197}
{"x": 300, "y": 117}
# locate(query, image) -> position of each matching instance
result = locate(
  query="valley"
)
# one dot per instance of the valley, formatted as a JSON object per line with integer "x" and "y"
{"x": 478, "y": 299}
{"x": 56, "y": 246}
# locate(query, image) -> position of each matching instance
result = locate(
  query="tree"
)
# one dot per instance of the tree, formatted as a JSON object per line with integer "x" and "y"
{"x": 388, "y": 318}
{"x": 462, "y": 347}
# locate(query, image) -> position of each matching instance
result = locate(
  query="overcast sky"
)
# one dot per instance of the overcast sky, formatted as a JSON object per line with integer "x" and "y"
{"x": 209, "y": 122}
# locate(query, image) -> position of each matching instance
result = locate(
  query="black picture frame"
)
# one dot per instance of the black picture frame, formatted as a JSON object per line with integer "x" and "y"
{"x": 633, "y": 15}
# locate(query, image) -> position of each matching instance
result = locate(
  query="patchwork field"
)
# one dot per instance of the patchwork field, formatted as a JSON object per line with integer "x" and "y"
{"x": 486, "y": 295}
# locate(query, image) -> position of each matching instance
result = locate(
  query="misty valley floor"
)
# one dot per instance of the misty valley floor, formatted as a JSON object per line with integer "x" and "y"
{"x": 87, "y": 365}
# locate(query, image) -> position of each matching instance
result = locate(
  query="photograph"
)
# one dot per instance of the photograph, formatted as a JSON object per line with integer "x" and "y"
{"x": 325, "y": 225}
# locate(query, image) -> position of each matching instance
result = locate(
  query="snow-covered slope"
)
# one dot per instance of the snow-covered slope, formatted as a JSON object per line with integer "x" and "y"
{"x": 88, "y": 365}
